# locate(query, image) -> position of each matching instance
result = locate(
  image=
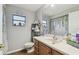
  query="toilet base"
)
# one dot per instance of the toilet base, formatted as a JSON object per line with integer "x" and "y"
{"x": 30, "y": 50}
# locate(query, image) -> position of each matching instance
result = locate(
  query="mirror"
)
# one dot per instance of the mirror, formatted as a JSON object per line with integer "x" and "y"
{"x": 56, "y": 17}
{"x": 18, "y": 20}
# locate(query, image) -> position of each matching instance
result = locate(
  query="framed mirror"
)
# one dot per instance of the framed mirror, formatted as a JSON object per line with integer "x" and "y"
{"x": 18, "y": 20}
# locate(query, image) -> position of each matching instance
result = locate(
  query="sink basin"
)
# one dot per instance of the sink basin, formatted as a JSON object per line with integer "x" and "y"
{"x": 54, "y": 41}
{"x": 51, "y": 40}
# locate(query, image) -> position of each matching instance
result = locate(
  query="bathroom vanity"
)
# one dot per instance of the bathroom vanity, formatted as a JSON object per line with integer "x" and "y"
{"x": 44, "y": 46}
{"x": 42, "y": 49}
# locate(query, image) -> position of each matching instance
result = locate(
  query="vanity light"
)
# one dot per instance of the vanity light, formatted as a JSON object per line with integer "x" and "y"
{"x": 52, "y": 5}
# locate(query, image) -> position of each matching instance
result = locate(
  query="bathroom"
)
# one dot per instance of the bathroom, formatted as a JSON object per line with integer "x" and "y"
{"x": 41, "y": 23}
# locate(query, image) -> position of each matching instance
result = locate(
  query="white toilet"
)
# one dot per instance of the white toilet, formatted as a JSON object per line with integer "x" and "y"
{"x": 29, "y": 46}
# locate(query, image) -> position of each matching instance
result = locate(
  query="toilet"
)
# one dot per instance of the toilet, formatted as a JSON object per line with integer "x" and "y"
{"x": 29, "y": 46}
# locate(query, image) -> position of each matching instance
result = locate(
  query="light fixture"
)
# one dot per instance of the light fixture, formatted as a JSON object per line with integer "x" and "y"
{"x": 52, "y": 5}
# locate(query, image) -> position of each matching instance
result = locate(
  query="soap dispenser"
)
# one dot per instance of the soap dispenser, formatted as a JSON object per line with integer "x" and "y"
{"x": 77, "y": 37}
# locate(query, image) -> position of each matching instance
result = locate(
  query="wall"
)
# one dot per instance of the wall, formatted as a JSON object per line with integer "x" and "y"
{"x": 65, "y": 12}
{"x": 18, "y": 36}
{"x": 41, "y": 16}
{"x": 1, "y": 14}
{"x": 74, "y": 22}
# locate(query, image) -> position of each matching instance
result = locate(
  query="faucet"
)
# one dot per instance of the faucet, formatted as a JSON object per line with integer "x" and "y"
{"x": 54, "y": 39}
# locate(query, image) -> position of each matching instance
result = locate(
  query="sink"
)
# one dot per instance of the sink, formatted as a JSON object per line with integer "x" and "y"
{"x": 55, "y": 40}
{"x": 51, "y": 40}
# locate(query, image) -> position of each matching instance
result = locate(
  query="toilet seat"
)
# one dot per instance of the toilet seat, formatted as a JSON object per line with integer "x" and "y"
{"x": 29, "y": 45}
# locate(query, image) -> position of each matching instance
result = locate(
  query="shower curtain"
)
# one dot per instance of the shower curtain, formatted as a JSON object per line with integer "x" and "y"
{"x": 5, "y": 41}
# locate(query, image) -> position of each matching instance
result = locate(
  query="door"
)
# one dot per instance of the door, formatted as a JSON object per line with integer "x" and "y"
{"x": 44, "y": 50}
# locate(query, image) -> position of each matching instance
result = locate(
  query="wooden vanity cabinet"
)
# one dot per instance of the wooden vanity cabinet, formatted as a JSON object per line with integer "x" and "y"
{"x": 44, "y": 50}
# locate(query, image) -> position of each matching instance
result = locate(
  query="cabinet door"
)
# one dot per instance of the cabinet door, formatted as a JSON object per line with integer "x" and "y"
{"x": 44, "y": 50}
{"x": 54, "y": 52}
{"x": 36, "y": 47}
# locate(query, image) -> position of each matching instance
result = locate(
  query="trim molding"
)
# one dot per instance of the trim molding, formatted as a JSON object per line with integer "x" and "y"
{"x": 14, "y": 51}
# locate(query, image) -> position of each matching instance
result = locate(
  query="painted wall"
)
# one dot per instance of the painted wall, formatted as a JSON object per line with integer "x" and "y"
{"x": 65, "y": 12}
{"x": 1, "y": 15}
{"x": 41, "y": 16}
{"x": 18, "y": 36}
{"x": 74, "y": 22}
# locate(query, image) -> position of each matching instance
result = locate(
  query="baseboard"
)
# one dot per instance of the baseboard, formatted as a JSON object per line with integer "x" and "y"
{"x": 14, "y": 51}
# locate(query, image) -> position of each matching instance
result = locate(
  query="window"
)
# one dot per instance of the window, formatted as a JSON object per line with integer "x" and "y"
{"x": 59, "y": 26}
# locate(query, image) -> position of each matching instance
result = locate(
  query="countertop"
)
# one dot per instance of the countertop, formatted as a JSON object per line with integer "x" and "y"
{"x": 61, "y": 46}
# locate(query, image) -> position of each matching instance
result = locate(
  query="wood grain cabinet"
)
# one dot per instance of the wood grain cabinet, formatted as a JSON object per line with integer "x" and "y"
{"x": 44, "y": 50}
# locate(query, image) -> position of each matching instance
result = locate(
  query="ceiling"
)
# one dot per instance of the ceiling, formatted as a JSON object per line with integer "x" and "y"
{"x": 47, "y": 9}
{"x": 31, "y": 7}
{"x": 58, "y": 8}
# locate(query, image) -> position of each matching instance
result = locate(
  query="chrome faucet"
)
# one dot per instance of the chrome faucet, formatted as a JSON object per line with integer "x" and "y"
{"x": 54, "y": 37}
